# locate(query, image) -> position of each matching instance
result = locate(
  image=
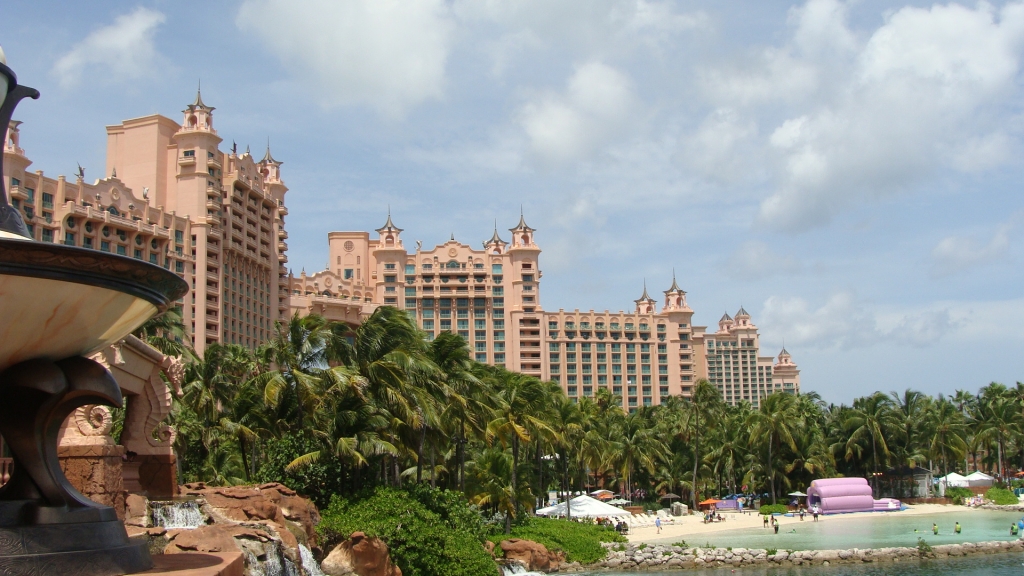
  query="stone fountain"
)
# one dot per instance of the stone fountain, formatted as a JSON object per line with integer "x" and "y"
{"x": 59, "y": 304}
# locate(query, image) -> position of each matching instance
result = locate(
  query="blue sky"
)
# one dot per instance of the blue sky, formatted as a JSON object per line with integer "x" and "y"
{"x": 849, "y": 172}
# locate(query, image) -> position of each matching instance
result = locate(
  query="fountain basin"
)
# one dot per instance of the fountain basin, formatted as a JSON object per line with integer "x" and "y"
{"x": 61, "y": 301}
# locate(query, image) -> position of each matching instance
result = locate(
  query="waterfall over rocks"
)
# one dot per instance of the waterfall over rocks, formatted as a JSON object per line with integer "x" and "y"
{"x": 309, "y": 562}
{"x": 516, "y": 569}
{"x": 177, "y": 515}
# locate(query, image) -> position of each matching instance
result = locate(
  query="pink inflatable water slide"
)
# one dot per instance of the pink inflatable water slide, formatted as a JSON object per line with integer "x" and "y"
{"x": 839, "y": 495}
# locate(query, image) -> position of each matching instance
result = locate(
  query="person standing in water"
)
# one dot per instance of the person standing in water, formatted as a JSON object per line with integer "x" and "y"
{"x": 765, "y": 521}
{"x": 935, "y": 529}
{"x": 1013, "y": 529}
{"x": 956, "y": 528}
{"x": 776, "y": 524}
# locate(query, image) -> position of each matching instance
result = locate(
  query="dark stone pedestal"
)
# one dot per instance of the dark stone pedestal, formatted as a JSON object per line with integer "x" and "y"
{"x": 47, "y": 527}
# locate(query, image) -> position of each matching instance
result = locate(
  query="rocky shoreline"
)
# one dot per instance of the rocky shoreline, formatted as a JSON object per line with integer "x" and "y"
{"x": 641, "y": 557}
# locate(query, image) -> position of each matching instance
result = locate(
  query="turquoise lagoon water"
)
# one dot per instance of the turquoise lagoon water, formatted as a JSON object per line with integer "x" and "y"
{"x": 878, "y": 530}
{"x": 1009, "y": 564}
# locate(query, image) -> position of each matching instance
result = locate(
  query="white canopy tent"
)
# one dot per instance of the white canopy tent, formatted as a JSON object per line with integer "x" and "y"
{"x": 980, "y": 479}
{"x": 954, "y": 480}
{"x": 583, "y": 507}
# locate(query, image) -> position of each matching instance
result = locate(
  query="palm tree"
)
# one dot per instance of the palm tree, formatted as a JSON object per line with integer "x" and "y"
{"x": 870, "y": 420}
{"x": 167, "y": 333}
{"x": 517, "y": 401}
{"x": 696, "y": 418}
{"x": 637, "y": 445}
{"x": 945, "y": 425}
{"x": 772, "y": 425}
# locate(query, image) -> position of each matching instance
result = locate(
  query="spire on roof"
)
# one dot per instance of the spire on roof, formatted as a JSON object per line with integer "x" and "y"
{"x": 675, "y": 287}
{"x": 726, "y": 318}
{"x": 742, "y": 312}
{"x": 495, "y": 239}
{"x": 522, "y": 226}
{"x": 645, "y": 297}
{"x": 113, "y": 172}
{"x": 389, "y": 226}
{"x": 267, "y": 158}
{"x": 453, "y": 237}
{"x": 198, "y": 104}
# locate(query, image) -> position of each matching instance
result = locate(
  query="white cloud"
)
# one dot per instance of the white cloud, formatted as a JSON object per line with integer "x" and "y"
{"x": 120, "y": 51}
{"x": 754, "y": 260}
{"x": 955, "y": 254}
{"x": 597, "y": 106}
{"x": 844, "y": 321}
{"x": 389, "y": 55}
{"x": 721, "y": 149}
{"x": 922, "y": 93}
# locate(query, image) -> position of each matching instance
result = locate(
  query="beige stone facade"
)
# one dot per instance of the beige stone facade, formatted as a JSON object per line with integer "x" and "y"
{"x": 171, "y": 197}
{"x": 491, "y": 297}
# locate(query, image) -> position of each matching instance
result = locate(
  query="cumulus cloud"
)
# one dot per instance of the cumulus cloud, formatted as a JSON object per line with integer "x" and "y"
{"x": 755, "y": 260}
{"x": 387, "y": 54}
{"x": 120, "y": 51}
{"x": 955, "y": 254}
{"x": 844, "y": 321}
{"x": 919, "y": 96}
{"x": 597, "y": 106}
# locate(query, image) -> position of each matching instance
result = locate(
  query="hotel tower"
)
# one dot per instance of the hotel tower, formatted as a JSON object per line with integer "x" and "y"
{"x": 172, "y": 197}
{"x": 491, "y": 297}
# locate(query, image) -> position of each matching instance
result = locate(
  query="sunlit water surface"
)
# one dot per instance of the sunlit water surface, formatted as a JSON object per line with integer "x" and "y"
{"x": 879, "y": 530}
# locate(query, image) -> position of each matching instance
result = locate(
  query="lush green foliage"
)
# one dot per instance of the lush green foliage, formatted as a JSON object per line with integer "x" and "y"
{"x": 429, "y": 532}
{"x": 317, "y": 481}
{"x": 958, "y": 495}
{"x": 923, "y": 548}
{"x": 769, "y": 509}
{"x": 335, "y": 409}
{"x": 1001, "y": 496}
{"x": 581, "y": 542}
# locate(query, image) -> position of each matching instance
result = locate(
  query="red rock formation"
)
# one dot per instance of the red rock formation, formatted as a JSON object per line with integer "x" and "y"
{"x": 272, "y": 502}
{"x": 533, "y": 555}
{"x": 360, "y": 556}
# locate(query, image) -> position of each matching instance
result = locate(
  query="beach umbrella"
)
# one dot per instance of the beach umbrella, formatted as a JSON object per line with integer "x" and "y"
{"x": 797, "y": 494}
{"x": 709, "y": 502}
{"x": 670, "y": 496}
{"x": 619, "y": 502}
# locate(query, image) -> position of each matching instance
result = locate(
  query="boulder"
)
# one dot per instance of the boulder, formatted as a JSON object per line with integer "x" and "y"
{"x": 533, "y": 555}
{"x": 360, "y": 556}
{"x": 272, "y": 502}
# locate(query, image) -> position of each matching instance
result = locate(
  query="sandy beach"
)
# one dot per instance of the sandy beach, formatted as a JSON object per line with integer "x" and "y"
{"x": 690, "y": 527}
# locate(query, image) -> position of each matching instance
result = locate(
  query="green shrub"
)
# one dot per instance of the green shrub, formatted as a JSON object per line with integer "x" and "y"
{"x": 769, "y": 509}
{"x": 771, "y": 551}
{"x": 316, "y": 481}
{"x": 429, "y": 532}
{"x": 1001, "y": 496}
{"x": 923, "y": 548}
{"x": 681, "y": 543}
{"x": 581, "y": 542}
{"x": 958, "y": 495}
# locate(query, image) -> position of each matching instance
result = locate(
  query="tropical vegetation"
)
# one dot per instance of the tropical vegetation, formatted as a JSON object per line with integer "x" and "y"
{"x": 334, "y": 410}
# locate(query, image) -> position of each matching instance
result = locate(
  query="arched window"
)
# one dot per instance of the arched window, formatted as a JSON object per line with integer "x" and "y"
{"x": 452, "y": 264}
{"x": 113, "y": 211}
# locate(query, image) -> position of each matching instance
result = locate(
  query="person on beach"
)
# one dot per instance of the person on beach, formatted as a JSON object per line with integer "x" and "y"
{"x": 935, "y": 529}
{"x": 776, "y": 527}
{"x": 657, "y": 524}
{"x": 956, "y": 528}
{"x": 801, "y": 514}
{"x": 765, "y": 521}
{"x": 815, "y": 511}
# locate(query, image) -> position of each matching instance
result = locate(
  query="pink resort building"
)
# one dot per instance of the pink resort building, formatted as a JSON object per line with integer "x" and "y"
{"x": 491, "y": 297}
{"x": 173, "y": 198}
